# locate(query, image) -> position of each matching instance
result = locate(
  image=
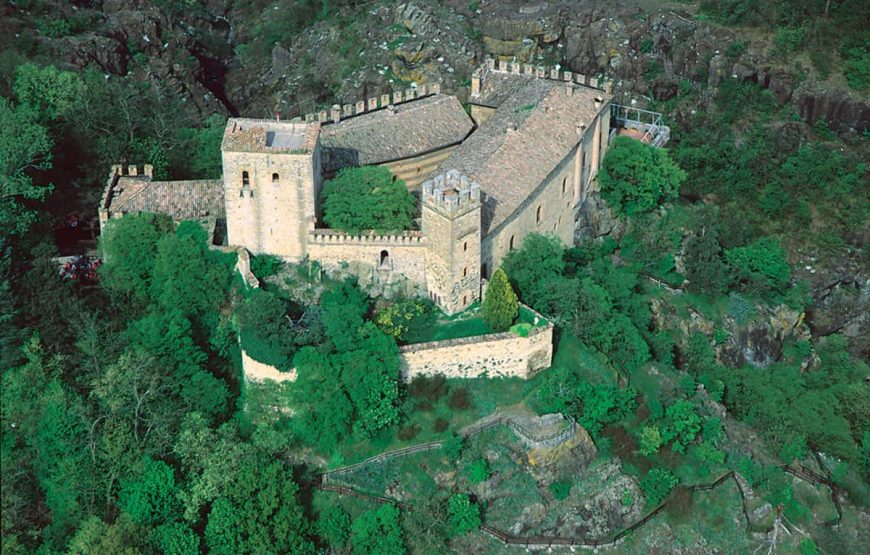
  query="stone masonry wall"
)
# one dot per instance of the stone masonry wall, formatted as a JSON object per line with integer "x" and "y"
{"x": 498, "y": 354}
{"x": 406, "y": 254}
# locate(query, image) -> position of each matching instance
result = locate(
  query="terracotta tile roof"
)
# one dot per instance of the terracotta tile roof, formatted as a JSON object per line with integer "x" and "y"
{"x": 410, "y": 129}
{"x": 180, "y": 200}
{"x": 266, "y": 135}
{"x": 536, "y": 125}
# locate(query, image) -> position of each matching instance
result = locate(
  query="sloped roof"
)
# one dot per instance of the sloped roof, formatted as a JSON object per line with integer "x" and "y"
{"x": 535, "y": 126}
{"x": 180, "y": 200}
{"x": 408, "y": 129}
{"x": 267, "y": 136}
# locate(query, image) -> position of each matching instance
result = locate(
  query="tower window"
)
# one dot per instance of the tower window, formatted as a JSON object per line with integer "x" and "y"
{"x": 275, "y": 178}
{"x": 246, "y": 179}
{"x": 511, "y": 244}
{"x": 564, "y": 185}
{"x": 483, "y": 273}
{"x": 538, "y": 215}
{"x": 384, "y": 260}
{"x": 465, "y": 271}
{"x": 464, "y": 300}
{"x": 465, "y": 246}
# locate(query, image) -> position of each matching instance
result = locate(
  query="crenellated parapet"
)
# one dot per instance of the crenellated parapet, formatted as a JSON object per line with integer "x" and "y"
{"x": 334, "y": 237}
{"x": 538, "y": 71}
{"x": 451, "y": 192}
{"x": 339, "y": 112}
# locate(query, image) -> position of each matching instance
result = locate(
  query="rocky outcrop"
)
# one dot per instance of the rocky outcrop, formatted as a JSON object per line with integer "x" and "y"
{"x": 595, "y": 220}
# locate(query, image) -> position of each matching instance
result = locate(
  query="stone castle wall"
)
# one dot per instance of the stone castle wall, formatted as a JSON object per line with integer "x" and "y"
{"x": 498, "y": 354}
{"x": 363, "y": 255}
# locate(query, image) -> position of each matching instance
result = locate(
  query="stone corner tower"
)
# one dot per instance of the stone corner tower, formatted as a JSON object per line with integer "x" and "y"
{"x": 271, "y": 175}
{"x": 451, "y": 212}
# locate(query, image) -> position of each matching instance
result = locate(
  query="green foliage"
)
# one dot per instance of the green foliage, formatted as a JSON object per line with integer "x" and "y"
{"x": 500, "y": 305}
{"x": 478, "y": 471}
{"x": 705, "y": 268}
{"x": 684, "y": 423}
{"x": 657, "y": 485}
{"x": 531, "y": 268}
{"x": 560, "y": 490}
{"x": 367, "y": 198}
{"x": 636, "y": 177}
{"x": 150, "y": 497}
{"x": 129, "y": 246}
{"x": 593, "y": 405}
{"x": 198, "y": 151}
{"x": 760, "y": 267}
{"x": 344, "y": 308}
{"x": 333, "y": 525}
{"x": 398, "y": 318}
{"x": 176, "y": 539}
{"x": 378, "y": 531}
{"x": 47, "y": 91}
{"x": 266, "y": 265}
{"x": 452, "y": 447}
{"x": 464, "y": 515}
{"x": 856, "y": 67}
{"x": 788, "y": 40}
{"x": 264, "y": 331}
{"x": 649, "y": 440}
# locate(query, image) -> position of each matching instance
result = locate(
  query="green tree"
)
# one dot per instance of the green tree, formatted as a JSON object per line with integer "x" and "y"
{"x": 343, "y": 308}
{"x": 49, "y": 92}
{"x": 705, "y": 269}
{"x": 265, "y": 333}
{"x": 175, "y": 539}
{"x": 150, "y": 497}
{"x": 636, "y": 177}
{"x": 325, "y": 411}
{"x": 129, "y": 246}
{"x": 25, "y": 148}
{"x": 649, "y": 440}
{"x": 534, "y": 266}
{"x": 657, "y": 485}
{"x": 464, "y": 515}
{"x": 760, "y": 267}
{"x": 684, "y": 424}
{"x": 333, "y": 525}
{"x": 478, "y": 471}
{"x": 367, "y": 198}
{"x": 199, "y": 153}
{"x": 500, "y": 305}
{"x": 378, "y": 531}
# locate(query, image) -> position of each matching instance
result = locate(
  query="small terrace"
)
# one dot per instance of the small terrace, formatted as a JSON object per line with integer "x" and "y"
{"x": 643, "y": 125}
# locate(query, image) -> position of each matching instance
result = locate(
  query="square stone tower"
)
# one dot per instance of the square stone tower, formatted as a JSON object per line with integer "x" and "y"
{"x": 451, "y": 225}
{"x": 271, "y": 184}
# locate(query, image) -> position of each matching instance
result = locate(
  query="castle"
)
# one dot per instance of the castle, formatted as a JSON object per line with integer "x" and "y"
{"x": 521, "y": 162}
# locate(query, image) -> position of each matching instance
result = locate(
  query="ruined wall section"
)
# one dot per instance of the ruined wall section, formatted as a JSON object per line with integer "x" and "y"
{"x": 499, "y": 354}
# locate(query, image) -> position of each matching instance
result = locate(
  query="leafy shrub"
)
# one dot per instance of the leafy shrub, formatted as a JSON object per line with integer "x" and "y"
{"x": 452, "y": 447}
{"x": 657, "y": 485}
{"x": 560, "y": 490}
{"x": 522, "y": 329}
{"x": 265, "y": 265}
{"x": 788, "y": 41}
{"x": 464, "y": 515}
{"x": 397, "y": 318}
{"x": 477, "y": 471}
{"x": 760, "y": 267}
{"x": 649, "y": 440}
{"x": 856, "y": 67}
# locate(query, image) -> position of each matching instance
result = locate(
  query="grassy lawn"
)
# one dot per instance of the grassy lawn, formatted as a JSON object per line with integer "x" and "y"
{"x": 469, "y": 323}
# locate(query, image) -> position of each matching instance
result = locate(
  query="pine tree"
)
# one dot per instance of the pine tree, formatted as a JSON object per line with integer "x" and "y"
{"x": 500, "y": 305}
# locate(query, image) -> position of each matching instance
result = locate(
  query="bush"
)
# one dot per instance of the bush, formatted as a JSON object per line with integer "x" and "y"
{"x": 788, "y": 41}
{"x": 478, "y": 471}
{"x": 464, "y": 515}
{"x": 560, "y": 490}
{"x": 856, "y": 68}
{"x": 265, "y": 265}
{"x": 760, "y": 267}
{"x": 396, "y": 319}
{"x": 657, "y": 485}
{"x": 452, "y": 447}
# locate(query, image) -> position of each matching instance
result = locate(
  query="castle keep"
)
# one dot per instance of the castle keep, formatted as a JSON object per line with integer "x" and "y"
{"x": 522, "y": 162}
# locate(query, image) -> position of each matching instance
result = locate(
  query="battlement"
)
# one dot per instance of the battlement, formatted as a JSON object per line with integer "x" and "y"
{"x": 451, "y": 192}
{"x": 336, "y": 237}
{"x": 538, "y": 71}
{"x": 384, "y": 102}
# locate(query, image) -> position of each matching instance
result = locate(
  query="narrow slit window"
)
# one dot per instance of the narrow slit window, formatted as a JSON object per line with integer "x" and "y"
{"x": 246, "y": 179}
{"x": 275, "y": 178}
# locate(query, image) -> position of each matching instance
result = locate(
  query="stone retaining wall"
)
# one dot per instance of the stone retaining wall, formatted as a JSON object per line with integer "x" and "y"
{"x": 498, "y": 354}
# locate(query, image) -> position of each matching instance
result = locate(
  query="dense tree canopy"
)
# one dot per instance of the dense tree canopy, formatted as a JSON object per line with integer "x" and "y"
{"x": 367, "y": 198}
{"x": 636, "y": 177}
